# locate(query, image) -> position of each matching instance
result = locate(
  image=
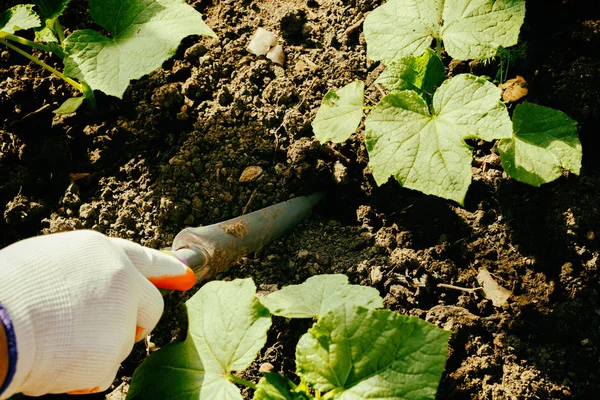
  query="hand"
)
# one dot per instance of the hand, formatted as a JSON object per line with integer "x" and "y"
{"x": 77, "y": 302}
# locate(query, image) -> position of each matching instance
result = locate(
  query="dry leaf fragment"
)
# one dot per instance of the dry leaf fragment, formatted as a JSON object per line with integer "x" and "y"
{"x": 514, "y": 89}
{"x": 492, "y": 291}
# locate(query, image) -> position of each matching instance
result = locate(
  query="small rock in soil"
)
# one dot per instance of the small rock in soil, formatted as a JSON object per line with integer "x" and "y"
{"x": 261, "y": 42}
{"x": 340, "y": 173}
{"x": 276, "y": 55}
{"x": 376, "y": 275}
{"x": 266, "y": 367}
{"x": 250, "y": 174}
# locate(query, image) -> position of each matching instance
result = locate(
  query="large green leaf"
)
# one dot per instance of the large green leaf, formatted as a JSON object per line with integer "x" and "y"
{"x": 421, "y": 74}
{"x": 50, "y": 9}
{"x": 227, "y": 328}
{"x": 340, "y": 113}
{"x": 426, "y": 150}
{"x": 543, "y": 143}
{"x": 273, "y": 386}
{"x": 469, "y": 28}
{"x": 17, "y": 18}
{"x": 145, "y": 33}
{"x": 319, "y": 295}
{"x": 372, "y": 354}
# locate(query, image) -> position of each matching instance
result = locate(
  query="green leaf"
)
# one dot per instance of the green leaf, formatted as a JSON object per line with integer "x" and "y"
{"x": 319, "y": 295}
{"x": 69, "y": 106}
{"x": 373, "y": 354}
{"x": 340, "y": 113}
{"x": 469, "y": 28}
{"x": 227, "y": 328}
{"x": 425, "y": 150}
{"x": 273, "y": 386}
{"x": 19, "y": 18}
{"x": 145, "y": 33}
{"x": 50, "y": 9}
{"x": 45, "y": 35}
{"x": 421, "y": 74}
{"x": 543, "y": 143}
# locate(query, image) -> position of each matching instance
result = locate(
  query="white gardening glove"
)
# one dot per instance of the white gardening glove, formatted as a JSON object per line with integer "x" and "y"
{"x": 77, "y": 302}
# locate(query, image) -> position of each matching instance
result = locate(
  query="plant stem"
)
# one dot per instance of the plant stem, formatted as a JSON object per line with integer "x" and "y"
{"x": 26, "y": 42}
{"x": 367, "y": 107}
{"x": 42, "y": 64}
{"x": 59, "y": 30}
{"x": 88, "y": 92}
{"x": 438, "y": 47}
{"x": 242, "y": 381}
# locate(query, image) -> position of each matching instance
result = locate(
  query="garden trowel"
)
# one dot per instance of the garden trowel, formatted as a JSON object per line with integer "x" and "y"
{"x": 209, "y": 250}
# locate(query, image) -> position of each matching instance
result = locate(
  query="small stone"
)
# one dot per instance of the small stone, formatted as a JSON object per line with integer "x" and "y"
{"x": 266, "y": 367}
{"x": 250, "y": 174}
{"x": 276, "y": 55}
{"x": 261, "y": 42}
{"x": 376, "y": 275}
{"x": 340, "y": 173}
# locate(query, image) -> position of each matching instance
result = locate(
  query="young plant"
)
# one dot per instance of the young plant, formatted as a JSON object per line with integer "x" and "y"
{"x": 469, "y": 29}
{"x": 144, "y": 33}
{"x": 354, "y": 350}
{"x": 417, "y": 132}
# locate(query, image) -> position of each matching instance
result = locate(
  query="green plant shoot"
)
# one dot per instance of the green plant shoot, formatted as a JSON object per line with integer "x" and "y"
{"x": 349, "y": 352}
{"x": 145, "y": 33}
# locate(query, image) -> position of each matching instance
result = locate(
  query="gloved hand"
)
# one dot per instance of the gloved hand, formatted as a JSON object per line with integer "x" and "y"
{"x": 76, "y": 303}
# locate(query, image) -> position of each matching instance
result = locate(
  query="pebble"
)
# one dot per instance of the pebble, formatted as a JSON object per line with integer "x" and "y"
{"x": 266, "y": 367}
{"x": 261, "y": 42}
{"x": 276, "y": 55}
{"x": 340, "y": 173}
{"x": 376, "y": 275}
{"x": 250, "y": 174}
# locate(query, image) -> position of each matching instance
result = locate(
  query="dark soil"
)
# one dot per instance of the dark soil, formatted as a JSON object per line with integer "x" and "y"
{"x": 170, "y": 155}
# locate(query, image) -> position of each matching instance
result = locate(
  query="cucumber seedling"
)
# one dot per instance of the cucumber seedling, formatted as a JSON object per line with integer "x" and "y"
{"x": 417, "y": 133}
{"x": 354, "y": 350}
{"x": 143, "y": 34}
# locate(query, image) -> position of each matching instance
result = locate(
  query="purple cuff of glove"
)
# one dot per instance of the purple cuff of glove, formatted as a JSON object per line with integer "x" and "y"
{"x": 12, "y": 347}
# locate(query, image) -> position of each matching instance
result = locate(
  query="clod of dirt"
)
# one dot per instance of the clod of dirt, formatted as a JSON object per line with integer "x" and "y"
{"x": 514, "y": 89}
{"x": 20, "y": 209}
{"x": 250, "y": 174}
{"x": 168, "y": 96}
